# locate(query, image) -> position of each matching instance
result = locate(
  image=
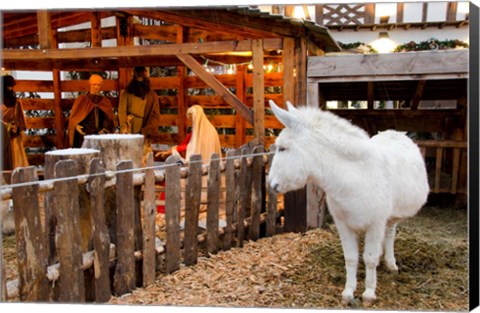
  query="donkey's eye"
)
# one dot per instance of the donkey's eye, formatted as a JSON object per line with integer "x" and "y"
{"x": 281, "y": 149}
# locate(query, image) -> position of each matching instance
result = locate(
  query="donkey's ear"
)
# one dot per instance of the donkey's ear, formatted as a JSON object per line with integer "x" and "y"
{"x": 291, "y": 108}
{"x": 282, "y": 115}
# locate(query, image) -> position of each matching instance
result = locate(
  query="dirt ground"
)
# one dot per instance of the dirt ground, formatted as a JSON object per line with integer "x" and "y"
{"x": 307, "y": 271}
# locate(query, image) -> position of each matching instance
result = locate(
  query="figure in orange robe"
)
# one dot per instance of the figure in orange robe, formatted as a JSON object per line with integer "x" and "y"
{"x": 91, "y": 114}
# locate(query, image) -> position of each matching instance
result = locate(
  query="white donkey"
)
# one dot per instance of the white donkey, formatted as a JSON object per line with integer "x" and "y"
{"x": 370, "y": 183}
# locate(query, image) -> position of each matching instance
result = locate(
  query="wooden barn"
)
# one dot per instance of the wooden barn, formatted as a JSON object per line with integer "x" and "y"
{"x": 266, "y": 56}
{"x": 232, "y": 60}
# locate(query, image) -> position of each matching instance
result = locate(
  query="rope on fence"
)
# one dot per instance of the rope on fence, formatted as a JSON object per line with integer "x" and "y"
{"x": 47, "y": 184}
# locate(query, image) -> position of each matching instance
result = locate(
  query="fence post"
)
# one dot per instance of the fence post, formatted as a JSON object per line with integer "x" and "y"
{"x": 30, "y": 239}
{"x": 193, "y": 195}
{"x": 172, "y": 213}
{"x": 124, "y": 277}
{"x": 100, "y": 237}
{"x": 3, "y": 285}
{"x": 68, "y": 238}
{"x": 257, "y": 194}
{"x": 243, "y": 197}
{"x": 213, "y": 204}
{"x": 272, "y": 203}
{"x": 296, "y": 211}
{"x": 149, "y": 212}
{"x": 229, "y": 197}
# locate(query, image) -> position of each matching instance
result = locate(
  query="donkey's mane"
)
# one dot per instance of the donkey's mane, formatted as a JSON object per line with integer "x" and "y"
{"x": 339, "y": 134}
{"x": 328, "y": 123}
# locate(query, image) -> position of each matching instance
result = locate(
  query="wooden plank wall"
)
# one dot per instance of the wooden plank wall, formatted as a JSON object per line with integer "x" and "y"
{"x": 213, "y": 105}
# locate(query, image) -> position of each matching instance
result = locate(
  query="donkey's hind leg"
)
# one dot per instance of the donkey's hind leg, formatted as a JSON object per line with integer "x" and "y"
{"x": 349, "y": 241}
{"x": 389, "y": 242}
{"x": 371, "y": 256}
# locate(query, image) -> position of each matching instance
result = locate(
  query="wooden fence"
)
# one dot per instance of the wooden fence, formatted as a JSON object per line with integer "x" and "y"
{"x": 446, "y": 163}
{"x": 63, "y": 271}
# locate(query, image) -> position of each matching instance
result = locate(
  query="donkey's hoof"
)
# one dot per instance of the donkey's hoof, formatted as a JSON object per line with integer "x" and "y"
{"x": 347, "y": 297}
{"x": 368, "y": 297}
{"x": 392, "y": 266}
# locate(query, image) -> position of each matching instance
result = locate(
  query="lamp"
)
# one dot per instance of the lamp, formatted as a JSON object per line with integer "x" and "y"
{"x": 383, "y": 44}
{"x": 383, "y": 35}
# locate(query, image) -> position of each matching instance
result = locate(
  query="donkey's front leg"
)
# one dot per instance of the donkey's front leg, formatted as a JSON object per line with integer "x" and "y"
{"x": 350, "y": 253}
{"x": 371, "y": 255}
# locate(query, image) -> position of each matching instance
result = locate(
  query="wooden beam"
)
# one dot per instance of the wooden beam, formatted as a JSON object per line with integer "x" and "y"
{"x": 288, "y": 71}
{"x": 400, "y": 10}
{"x": 213, "y": 83}
{"x": 136, "y": 51}
{"x": 301, "y": 71}
{"x": 412, "y": 66}
{"x": 96, "y": 29}
{"x": 418, "y": 94}
{"x": 44, "y": 29}
{"x": 369, "y": 13}
{"x": 258, "y": 92}
{"x": 451, "y": 12}
{"x": 232, "y": 23}
{"x": 313, "y": 95}
{"x": 370, "y": 94}
{"x": 240, "y": 91}
{"x": 182, "y": 88}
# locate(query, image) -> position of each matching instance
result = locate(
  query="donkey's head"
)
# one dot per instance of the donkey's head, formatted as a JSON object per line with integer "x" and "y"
{"x": 290, "y": 166}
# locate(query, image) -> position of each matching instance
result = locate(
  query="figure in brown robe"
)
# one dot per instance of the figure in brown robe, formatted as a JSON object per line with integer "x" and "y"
{"x": 91, "y": 114}
{"x": 138, "y": 107}
{"x": 13, "y": 127}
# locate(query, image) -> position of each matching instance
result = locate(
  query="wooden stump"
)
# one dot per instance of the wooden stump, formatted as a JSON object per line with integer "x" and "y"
{"x": 117, "y": 147}
{"x": 82, "y": 157}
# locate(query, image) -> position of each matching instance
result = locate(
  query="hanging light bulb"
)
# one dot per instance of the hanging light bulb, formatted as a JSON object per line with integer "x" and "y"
{"x": 383, "y": 44}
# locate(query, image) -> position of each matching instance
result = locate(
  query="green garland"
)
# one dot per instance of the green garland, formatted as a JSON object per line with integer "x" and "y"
{"x": 355, "y": 45}
{"x": 431, "y": 44}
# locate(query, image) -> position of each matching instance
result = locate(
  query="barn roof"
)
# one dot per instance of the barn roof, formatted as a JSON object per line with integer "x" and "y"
{"x": 227, "y": 23}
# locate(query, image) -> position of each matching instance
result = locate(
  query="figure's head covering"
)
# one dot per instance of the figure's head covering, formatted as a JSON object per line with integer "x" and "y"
{"x": 8, "y": 81}
{"x": 95, "y": 79}
{"x": 204, "y": 139}
{"x": 8, "y": 96}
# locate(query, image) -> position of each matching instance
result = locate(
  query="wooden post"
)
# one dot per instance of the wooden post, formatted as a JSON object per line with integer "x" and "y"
{"x": 288, "y": 70}
{"x": 295, "y": 211}
{"x": 3, "y": 281}
{"x": 240, "y": 93}
{"x": 68, "y": 239}
{"x": 301, "y": 71}
{"x": 44, "y": 29}
{"x": 296, "y": 201}
{"x": 242, "y": 205}
{"x": 272, "y": 203}
{"x": 82, "y": 158}
{"x": 101, "y": 239}
{"x": 124, "y": 277}
{"x": 258, "y": 92}
{"x": 149, "y": 212}
{"x": 172, "y": 213}
{"x": 193, "y": 193}
{"x": 257, "y": 194}
{"x": 213, "y": 204}
{"x": 229, "y": 198}
{"x": 32, "y": 250}
{"x": 182, "y": 89}
{"x": 96, "y": 29}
